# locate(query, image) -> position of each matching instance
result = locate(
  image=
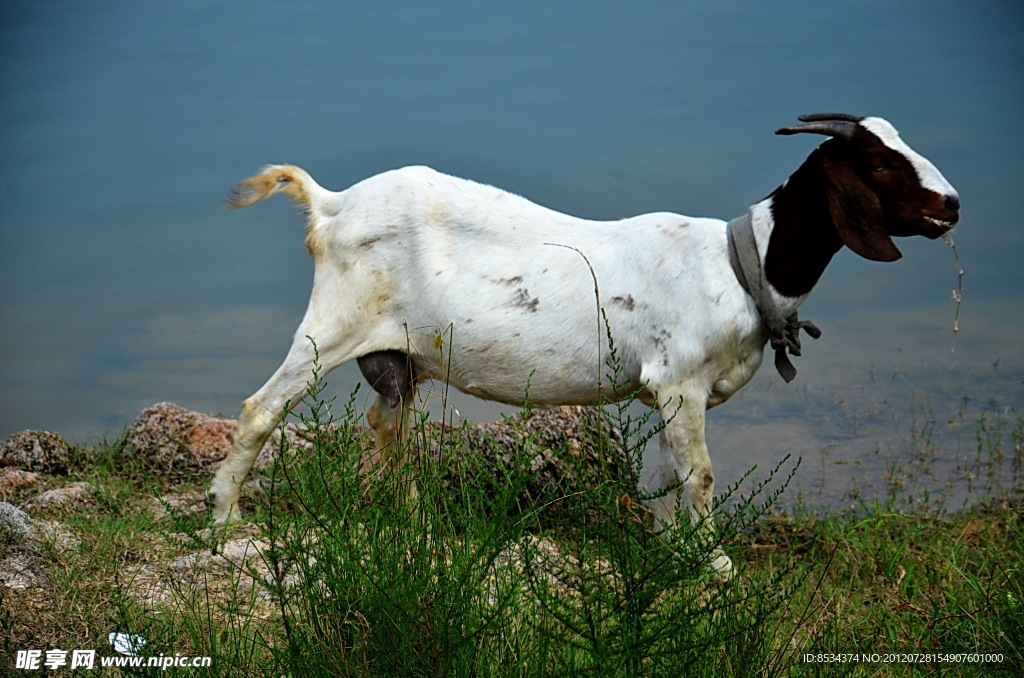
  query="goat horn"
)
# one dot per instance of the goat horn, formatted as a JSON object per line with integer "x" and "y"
{"x": 843, "y": 128}
{"x": 817, "y": 117}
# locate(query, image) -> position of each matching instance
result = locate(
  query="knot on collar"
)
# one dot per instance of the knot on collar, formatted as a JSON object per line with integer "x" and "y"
{"x": 783, "y": 333}
{"x": 789, "y": 340}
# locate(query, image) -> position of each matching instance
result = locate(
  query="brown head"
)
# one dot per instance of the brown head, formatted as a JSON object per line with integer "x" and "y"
{"x": 868, "y": 184}
{"x": 877, "y": 185}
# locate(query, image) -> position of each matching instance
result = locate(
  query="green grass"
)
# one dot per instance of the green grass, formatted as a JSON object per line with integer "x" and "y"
{"x": 488, "y": 576}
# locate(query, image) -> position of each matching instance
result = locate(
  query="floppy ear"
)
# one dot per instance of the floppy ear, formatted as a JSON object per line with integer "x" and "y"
{"x": 857, "y": 212}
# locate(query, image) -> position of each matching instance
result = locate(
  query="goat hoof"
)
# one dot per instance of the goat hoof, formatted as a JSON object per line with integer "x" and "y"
{"x": 722, "y": 569}
{"x": 228, "y": 514}
{"x": 233, "y": 518}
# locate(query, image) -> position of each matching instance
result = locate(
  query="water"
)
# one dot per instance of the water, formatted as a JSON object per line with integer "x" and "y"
{"x": 124, "y": 283}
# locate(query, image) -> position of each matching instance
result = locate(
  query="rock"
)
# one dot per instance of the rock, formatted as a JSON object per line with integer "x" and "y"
{"x": 75, "y": 494}
{"x": 13, "y": 478}
{"x": 18, "y": 565}
{"x": 178, "y": 440}
{"x": 559, "y": 443}
{"x": 187, "y": 504}
{"x": 238, "y": 569}
{"x": 16, "y": 572}
{"x": 43, "y": 451}
{"x": 182, "y": 442}
{"x": 13, "y": 520}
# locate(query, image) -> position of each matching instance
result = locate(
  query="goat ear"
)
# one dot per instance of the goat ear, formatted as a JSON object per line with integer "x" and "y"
{"x": 857, "y": 213}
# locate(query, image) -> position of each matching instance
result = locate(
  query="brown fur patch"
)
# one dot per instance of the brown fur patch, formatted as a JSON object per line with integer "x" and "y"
{"x": 287, "y": 179}
{"x": 315, "y": 239}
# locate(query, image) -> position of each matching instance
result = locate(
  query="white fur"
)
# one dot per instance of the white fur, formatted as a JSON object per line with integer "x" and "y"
{"x": 929, "y": 175}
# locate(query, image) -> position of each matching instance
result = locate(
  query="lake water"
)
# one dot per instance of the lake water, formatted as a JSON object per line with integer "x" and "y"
{"x": 123, "y": 282}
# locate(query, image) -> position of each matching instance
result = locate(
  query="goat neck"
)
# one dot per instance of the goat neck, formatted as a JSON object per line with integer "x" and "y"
{"x": 802, "y": 238}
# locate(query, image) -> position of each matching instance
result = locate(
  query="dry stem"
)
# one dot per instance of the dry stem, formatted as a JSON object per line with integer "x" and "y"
{"x": 958, "y": 292}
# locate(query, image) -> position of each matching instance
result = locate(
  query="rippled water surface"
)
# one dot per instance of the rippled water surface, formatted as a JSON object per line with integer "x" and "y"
{"x": 123, "y": 282}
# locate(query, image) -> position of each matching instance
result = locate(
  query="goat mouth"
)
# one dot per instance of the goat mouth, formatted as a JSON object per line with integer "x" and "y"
{"x": 942, "y": 226}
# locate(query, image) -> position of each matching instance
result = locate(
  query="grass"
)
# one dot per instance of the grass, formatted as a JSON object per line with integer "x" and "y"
{"x": 487, "y": 575}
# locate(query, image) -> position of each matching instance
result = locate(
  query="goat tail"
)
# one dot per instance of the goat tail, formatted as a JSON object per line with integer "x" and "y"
{"x": 293, "y": 181}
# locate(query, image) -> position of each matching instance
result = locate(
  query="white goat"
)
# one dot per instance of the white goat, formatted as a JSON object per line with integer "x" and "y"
{"x": 423, "y": 275}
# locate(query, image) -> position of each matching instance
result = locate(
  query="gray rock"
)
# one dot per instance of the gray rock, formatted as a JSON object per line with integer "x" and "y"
{"x": 13, "y": 520}
{"x": 75, "y": 494}
{"x": 43, "y": 451}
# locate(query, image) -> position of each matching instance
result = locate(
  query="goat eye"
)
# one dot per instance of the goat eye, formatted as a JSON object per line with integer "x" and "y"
{"x": 878, "y": 169}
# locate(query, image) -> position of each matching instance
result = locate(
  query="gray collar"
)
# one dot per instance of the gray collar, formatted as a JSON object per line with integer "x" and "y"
{"x": 784, "y": 333}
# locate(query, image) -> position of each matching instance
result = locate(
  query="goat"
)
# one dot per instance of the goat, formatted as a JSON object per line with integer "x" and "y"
{"x": 422, "y": 275}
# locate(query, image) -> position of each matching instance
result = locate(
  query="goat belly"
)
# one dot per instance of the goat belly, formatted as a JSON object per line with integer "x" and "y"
{"x": 554, "y": 370}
